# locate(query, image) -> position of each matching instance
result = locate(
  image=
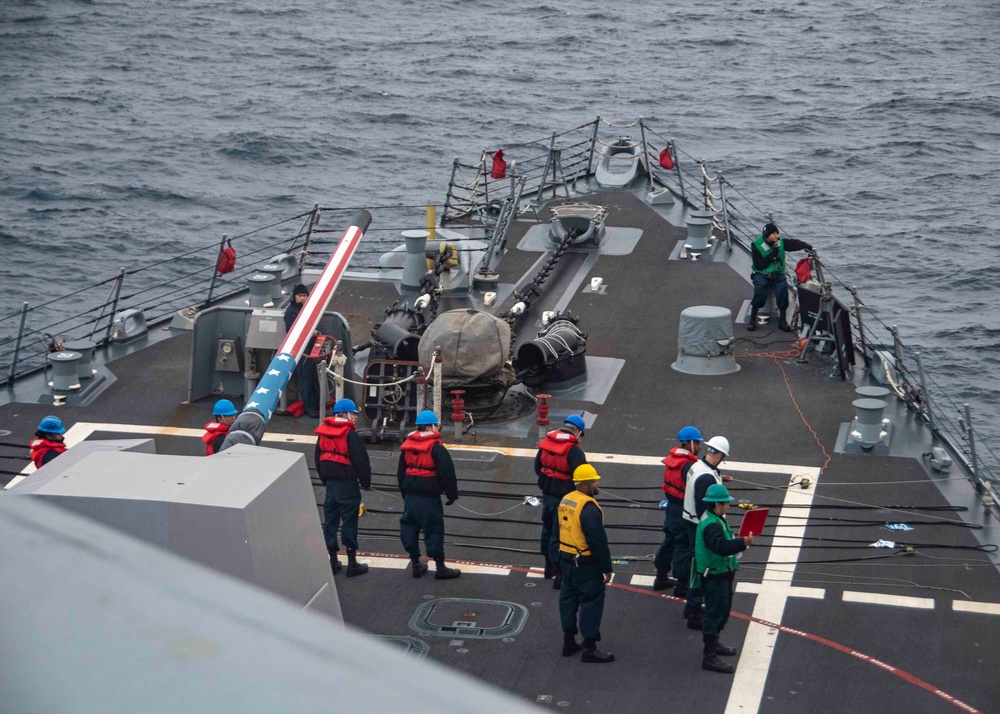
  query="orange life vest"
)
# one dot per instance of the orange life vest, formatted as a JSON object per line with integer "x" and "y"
{"x": 417, "y": 453}
{"x": 333, "y": 440}
{"x": 40, "y": 447}
{"x": 212, "y": 430}
{"x": 555, "y": 454}
{"x": 673, "y": 479}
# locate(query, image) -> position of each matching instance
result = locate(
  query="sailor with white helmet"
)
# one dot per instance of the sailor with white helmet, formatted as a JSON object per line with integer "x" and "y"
{"x": 700, "y": 477}
{"x": 344, "y": 468}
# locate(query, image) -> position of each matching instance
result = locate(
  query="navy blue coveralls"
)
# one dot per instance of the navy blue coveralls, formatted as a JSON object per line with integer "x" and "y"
{"x": 343, "y": 493}
{"x": 422, "y": 509}
{"x": 583, "y": 587}
{"x": 553, "y": 490}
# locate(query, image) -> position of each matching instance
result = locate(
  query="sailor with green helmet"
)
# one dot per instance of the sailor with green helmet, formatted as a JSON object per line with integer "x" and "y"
{"x": 715, "y": 565}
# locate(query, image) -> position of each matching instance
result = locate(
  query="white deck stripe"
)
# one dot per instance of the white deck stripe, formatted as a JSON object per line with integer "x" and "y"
{"x": 747, "y": 689}
{"x": 642, "y": 580}
{"x": 793, "y": 590}
{"x": 923, "y": 603}
{"x": 982, "y": 608}
{"x": 595, "y": 458}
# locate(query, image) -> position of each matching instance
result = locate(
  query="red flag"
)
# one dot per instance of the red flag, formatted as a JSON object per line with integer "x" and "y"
{"x": 499, "y": 165}
{"x": 666, "y": 160}
{"x": 803, "y": 270}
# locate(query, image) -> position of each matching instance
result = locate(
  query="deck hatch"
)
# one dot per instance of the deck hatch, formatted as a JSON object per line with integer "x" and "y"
{"x": 469, "y": 619}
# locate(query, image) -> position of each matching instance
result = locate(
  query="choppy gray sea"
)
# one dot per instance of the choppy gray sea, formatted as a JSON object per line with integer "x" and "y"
{"x": 137, "y": 129}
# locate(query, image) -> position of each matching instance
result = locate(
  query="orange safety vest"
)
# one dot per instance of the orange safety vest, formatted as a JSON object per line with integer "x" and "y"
{"x": 555, "y": 454}
{"x": 333, "y": 440}
{"x": 673, "y": 480}
{"x": 212, "y": 430}
{"x": 40, "y": 447}
{"x": 417, "y": 453}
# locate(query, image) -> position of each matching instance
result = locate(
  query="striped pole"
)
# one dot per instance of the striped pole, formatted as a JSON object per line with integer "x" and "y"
{"x": 251, "y": 423}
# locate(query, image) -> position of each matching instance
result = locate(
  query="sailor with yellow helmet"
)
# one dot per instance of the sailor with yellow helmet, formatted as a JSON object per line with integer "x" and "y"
{"x": 585, "y": 562}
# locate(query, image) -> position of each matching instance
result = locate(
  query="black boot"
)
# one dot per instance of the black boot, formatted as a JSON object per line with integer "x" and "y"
{"x": 550, "y": 569}
{"x": 570, "y": 644}
{"x": 335, "y": 564}
{"x": 663, "y": 580}
{"x": 681, "y": 592}
{"x": 783, "y": 324}
{"x": 592, "y": 654}
{"x": 557, "y": 582}
{"x": 353, "y": 566}
{"x": 418, "y": 568}
{"x": 752, "y": 325}
{"x": 443, "y": 572}
{"x": 694, "y": 619}
{"x": 710, "y": 660}
{"x": 724, "y": 650}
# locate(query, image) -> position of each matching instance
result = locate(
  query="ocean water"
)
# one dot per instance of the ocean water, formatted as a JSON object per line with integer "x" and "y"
{"x": 137, "y": 129}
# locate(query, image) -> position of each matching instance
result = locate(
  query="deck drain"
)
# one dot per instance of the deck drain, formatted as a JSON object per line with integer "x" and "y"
{"x": 446, "y": 617}
{"x": 410, "y": 645}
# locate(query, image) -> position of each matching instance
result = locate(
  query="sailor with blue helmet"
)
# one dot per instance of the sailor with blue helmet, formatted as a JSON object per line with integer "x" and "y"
{"x": 675, "y": 551}
{"x": 344, "y": 468}
{"x": 224, "y": 413}
{"x": 48, "y": 442}
{"x": 425, "y": 472}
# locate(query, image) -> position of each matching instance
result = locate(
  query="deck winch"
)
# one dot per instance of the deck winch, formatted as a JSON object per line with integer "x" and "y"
{"x": 556, "y": 356}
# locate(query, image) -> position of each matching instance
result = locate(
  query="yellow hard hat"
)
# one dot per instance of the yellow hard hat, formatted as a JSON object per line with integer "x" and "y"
{"x": 585, "y": 472}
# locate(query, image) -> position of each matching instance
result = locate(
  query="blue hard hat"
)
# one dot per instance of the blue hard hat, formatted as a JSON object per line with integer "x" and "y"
{"x": 688, "y": 433}
{"x": 51, "y": 425}
{"x": 577, "y": 421}
{"x": 427, "y": 418}
{"x": 224, "y": 407}
{"x": 345, "y": 406}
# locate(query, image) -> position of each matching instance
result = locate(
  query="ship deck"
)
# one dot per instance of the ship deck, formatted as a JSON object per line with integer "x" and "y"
{"x": 823, "y": 621}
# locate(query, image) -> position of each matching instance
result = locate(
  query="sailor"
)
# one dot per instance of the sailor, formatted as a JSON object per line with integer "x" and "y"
{"x": 768, "y": 253}
{"x": 344, "y": 468}
{"x": 48, "y": 442}
{"x": 559, "y": 454}
{"x": 715, "y": 564}
{"x": 677, "y": 547}
{"x": 701, "y": 476}
{"x": 425, "y": 472}
{"x": 585, "y": 561}
{"x": 305, "y": 371}
{"x": 215, "y": 431}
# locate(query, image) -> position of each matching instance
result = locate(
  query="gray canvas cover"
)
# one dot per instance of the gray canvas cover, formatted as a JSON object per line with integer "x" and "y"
{"x": 700, "y": 327}
{"x": 474, "y": 345}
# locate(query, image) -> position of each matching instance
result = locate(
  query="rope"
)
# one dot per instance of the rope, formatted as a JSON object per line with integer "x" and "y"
{"x": 337, "y": 377}
{"x": 618, "y": 126}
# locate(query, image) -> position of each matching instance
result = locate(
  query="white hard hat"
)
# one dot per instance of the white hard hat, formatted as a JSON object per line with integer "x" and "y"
{"x": 719, "y": 443}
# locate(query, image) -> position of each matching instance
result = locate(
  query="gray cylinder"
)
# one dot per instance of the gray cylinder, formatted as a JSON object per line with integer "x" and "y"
{"x": 277, "y": 271}
{"x": 260, "y": 289}
{"x": 867, "y": 427}
{"x": 704, "y": 337}
{"x": 85, "y": 367}
{"x": 873, "y": 392}
{"x": 699, "y": 231}
{"x": 415, "y": 263}
{"x": 65, "y": 377}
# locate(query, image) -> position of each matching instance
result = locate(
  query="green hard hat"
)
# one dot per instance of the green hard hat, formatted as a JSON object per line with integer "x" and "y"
{"x": 717, "y": 493}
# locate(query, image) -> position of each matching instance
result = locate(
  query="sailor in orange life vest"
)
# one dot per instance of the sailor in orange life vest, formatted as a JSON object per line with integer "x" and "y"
{"x": 676, "y": 549}
{"x": 215, "y": 431}
{"x": 48, "y": 442}
{"x": 701, "y": 476}
{"x": 425, "y": 472}
{"x": 344, "y": 468}
{"x": 715, "y": 565}
{"x": 585, "y": 560}
{"x": 559, "y": 454}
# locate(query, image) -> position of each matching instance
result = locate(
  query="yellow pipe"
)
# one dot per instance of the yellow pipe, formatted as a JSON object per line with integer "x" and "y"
{"x": 432, "y": 222}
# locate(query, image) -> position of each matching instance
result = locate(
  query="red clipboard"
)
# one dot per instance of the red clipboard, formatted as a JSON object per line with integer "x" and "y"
{"x": 753, "y": 521}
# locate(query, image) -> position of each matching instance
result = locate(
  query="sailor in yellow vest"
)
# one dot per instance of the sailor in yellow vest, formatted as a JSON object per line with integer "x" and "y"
{"x": 715, "y": 565}
{"x": 585, "y": 562}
